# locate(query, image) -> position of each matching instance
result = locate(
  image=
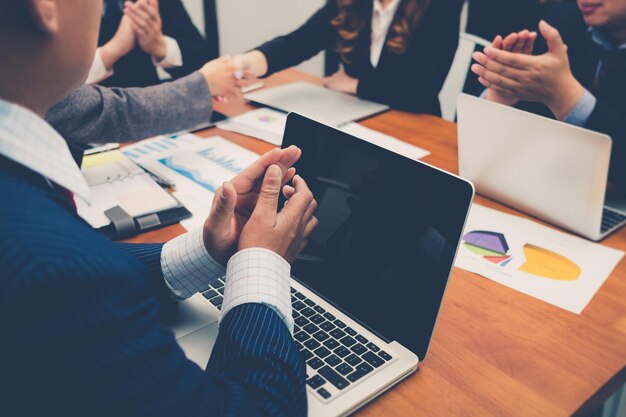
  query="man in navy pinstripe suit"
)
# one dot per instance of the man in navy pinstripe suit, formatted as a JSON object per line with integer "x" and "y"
{"x": 79, "y": 314}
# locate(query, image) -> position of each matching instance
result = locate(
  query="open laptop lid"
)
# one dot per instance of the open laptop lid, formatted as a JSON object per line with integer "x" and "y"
{"x": 549, "y": 169}
{"x": 314, "y": 101}
{"x": 389, "y": 228}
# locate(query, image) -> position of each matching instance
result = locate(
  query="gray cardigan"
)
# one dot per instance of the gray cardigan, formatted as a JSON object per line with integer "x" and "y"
{"x": 100, "y": 114}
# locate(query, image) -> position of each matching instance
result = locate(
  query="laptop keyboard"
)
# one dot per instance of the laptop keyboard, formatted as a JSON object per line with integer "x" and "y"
{"x": 611, "y": 219}
{"x": 336, "y": 355}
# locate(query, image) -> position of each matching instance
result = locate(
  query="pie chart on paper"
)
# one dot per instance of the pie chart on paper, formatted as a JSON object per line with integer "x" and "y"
{"x": 547, "y": 264}
{"x": 492, "y": 246}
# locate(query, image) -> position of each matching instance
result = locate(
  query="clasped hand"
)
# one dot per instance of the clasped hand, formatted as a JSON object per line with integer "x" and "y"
{"x": 510, "y": 73}
{"x": 245, "y": 212}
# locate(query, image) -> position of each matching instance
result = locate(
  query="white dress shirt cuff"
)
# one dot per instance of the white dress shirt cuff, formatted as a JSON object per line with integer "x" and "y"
{"x": 173, "y": 58}
{"x": 98, "y": 71}
{"x": 187, "y": 266}
{"x": 581, "y": 112}
{"x": 259, "y": 276}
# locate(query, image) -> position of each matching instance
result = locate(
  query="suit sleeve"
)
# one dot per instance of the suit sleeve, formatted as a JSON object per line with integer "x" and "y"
{"x": 100, "y": 350}
{"x": 435, "y": 45}
{"x": 100, "y": 114}
{"x": 314, "y": 36}
{"x": 608, "y": 120}
{"x": 178, "y": 25}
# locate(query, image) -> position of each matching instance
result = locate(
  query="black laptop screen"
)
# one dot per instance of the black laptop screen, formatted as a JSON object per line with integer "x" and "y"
{"x": 388, "y": 231}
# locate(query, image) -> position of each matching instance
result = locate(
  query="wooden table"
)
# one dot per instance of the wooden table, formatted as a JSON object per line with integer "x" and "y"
{"x": 495, "y": 352}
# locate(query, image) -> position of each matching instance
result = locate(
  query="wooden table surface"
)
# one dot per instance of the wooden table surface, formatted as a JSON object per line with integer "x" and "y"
{"x": 495, "y": 352}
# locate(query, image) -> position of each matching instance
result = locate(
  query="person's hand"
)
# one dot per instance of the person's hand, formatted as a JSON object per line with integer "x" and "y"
{"x": 120, "y": 44}
{"x": 519, "y": 42}
{"x": 146, "y": 20}
{"x": 221, "y": 78}
{"x": 284, "y": 232}
{"x": 543, "y": 78}
{"x": 235, "y": 201}
{"x": 251, "y": 65}
{"x": 341, "y": 82}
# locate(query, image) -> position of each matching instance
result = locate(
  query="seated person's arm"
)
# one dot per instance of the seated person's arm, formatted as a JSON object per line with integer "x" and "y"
{"x": 107, "y": 55}
{"x": 100, "y": 114}
{"x": 283, "y": 52}
{"x": 115, "y": 357}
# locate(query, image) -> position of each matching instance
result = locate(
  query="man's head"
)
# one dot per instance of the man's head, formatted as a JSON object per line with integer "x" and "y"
{"x": 609, "y": 15}
{"x": 46, "y": 49}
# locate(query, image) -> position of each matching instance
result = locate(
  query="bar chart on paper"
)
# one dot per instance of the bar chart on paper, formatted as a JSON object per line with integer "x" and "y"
{"x": 208, "y": 168}
{"x": 197, "y": 166}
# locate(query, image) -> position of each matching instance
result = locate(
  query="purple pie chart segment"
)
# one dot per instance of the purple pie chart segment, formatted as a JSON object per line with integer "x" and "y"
{"x": 492, "y": 241}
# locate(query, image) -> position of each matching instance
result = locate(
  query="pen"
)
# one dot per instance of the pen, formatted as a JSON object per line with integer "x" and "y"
{"x": 100, "y": 149}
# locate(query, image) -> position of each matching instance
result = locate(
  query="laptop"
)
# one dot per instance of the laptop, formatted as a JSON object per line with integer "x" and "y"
{"x": 319, "y": 103}
{"x": 552, "y": 170}
{"x": 367, "y": 290}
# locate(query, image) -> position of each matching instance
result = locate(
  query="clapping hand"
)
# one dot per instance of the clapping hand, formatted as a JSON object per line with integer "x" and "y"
{"x": 545, "y": 78}
{"x": 236, "y": 201}
{"x": 146, "y": 20}
{"x": 518, "y": 42}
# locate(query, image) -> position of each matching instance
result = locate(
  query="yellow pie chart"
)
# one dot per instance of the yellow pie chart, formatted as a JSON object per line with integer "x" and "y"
{"x": 547, "y": 264}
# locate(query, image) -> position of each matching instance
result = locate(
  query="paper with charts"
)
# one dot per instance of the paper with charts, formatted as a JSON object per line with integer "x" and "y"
{"x": 553, "y": 266}
{"x": 196, "y": 166}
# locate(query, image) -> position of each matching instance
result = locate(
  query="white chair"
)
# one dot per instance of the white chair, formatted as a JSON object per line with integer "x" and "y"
{"x": 455, "y": 81}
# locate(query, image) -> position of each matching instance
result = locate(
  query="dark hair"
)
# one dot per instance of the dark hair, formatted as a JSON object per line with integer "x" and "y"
{"x": 353, "y": 16}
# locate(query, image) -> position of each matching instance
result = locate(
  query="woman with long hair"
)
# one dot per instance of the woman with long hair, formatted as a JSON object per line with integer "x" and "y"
{"x": 396, "y": 52}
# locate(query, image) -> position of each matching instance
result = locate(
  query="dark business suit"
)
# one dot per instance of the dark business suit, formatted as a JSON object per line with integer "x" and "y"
{"x": 82, "y": 336}
{"x": 609, "y": 114}
{"x": 410, "y": 81}
{"x": 136, "y": 68}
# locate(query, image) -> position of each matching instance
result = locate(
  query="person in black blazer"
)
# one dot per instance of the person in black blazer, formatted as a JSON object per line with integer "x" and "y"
{"x": 396, "y": 52}
{"x": 146, "y": 42}
{"x": 578, "y": 76}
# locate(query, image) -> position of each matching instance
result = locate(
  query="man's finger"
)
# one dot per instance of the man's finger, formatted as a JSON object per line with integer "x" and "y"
{"x": 495, "y": 66}
{"x": 497, "y": 42}
{"x": 553, "y": 37}
{"x": 267, "y": 204}
{"x": 310, "y": 227}
{"x": 522, "y": 37}
{"x": 288, "y": 191}
{"x": 509, "y": 42}
{"x": 310, "y": 211}
{"x": 299, "y": 202}
{"x": 223, "y": 207}
{"x": 291, "y": 172}
{"x": 519, "y": 61}
{"x": 530, "y": 43}
{"x": 494, "y": 78}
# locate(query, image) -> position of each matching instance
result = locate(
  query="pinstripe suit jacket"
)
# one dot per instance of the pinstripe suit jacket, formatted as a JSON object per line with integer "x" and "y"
{"x": 82, "y": 337}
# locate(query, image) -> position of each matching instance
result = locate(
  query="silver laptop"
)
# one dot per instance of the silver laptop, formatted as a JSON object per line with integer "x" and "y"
{"x": 316, "y": 102}
{"x": 551, "y": 170}
{"x": 367, "y": 290}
